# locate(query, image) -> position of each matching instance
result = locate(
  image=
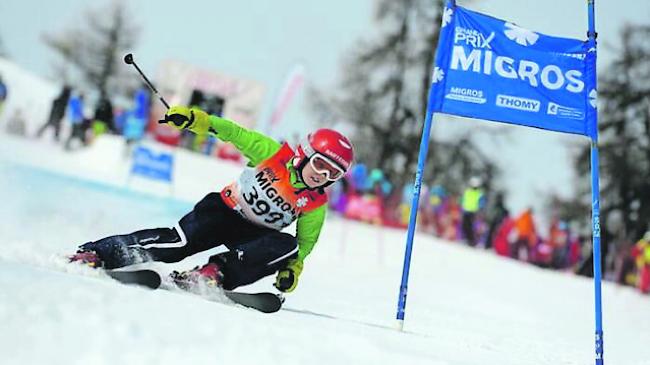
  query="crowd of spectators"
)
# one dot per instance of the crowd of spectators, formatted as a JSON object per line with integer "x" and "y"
{"x": 482, "y": 220}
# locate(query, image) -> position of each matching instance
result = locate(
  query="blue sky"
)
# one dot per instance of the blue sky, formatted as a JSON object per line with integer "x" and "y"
{"x": 263, "y": 39}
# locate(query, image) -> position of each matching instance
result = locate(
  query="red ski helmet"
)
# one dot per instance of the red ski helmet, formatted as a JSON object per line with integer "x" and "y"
{"x": 328, "y": 143}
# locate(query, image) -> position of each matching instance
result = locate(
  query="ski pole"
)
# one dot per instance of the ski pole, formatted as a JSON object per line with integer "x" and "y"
{"x": 128, "y": 59}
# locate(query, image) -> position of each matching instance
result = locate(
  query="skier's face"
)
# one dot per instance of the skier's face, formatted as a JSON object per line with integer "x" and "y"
{"x": 312, "y": 178}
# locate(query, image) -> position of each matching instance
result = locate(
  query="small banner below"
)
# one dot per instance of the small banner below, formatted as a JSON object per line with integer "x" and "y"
{"x": 487, "y": 68}
{"x": 152, "y": 165}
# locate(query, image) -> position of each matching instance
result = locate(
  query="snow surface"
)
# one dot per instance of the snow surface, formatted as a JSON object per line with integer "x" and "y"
{"x": 464, "y": 306}
{"x": 28, "y": 93}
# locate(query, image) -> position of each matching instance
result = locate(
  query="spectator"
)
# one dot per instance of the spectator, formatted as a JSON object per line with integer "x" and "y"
{"x": 575, "y": 250}
{"x": 142, "y": 103}
{"x": 103, "y": 120}
{"x": 56, "y": 113}
{"x": 339, "y": 194}
{"x": 641, "y": 254}
{"x": 135, "y": 120}
{"x": 626, "y": 267}
{"x": 453, "y": 219}
{"x": 3, "y": 93}
{"x": 133, "y": 131}
{"x": 437, "y": 197}
{"x": 526, "y": 236}
{"x": 76, "y": 117}
{"x": 502, "y": 240}
{"x": 405, "y": 205}
{"x": 497, "y": 214}
{"x": 471, "y": 202}
{"x": 559, "y": 240}
{"x": 377, "y": 189}
{"x": 359, "y": 178}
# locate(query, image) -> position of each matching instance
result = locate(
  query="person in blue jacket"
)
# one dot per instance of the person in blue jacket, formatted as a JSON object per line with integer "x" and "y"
{"x": 3, "y": 93}
{"x": 136, "y": 119}
{"x": 76, "y": 118}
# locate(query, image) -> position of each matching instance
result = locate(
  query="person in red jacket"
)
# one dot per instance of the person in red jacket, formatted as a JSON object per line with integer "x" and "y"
{"x": 502, "y": 238}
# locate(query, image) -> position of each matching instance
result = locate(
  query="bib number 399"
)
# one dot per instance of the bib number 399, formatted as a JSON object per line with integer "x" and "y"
{"x": 260, "y": 207}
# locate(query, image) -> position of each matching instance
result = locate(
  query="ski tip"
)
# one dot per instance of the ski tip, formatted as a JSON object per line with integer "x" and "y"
{"x": 263, "y": 302}
{"x": 147, "y": 278}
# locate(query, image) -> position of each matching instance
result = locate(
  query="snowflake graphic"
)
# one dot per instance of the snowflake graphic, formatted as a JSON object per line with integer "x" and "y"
{"x": 301, "y": 202}
{"x": 438, "y": 75}
{"x": 446, "y": 16}
{"x": 593, "y": 98}
{"x": 521, "y": 35}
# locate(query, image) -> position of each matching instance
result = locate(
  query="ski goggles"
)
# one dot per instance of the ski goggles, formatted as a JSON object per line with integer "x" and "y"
{"x": 324, "y": 165}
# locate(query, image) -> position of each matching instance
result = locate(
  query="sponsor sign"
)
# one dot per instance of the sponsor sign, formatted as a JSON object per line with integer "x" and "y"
{"x": 492, "y": 69}
{"x": 151, "y": 164}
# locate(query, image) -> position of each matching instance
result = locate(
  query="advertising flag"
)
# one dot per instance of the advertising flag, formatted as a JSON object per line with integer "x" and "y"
{"x": 491, "y": 69}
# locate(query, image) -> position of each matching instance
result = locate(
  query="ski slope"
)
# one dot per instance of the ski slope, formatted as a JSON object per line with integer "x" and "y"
{"x": 464, "y": 306}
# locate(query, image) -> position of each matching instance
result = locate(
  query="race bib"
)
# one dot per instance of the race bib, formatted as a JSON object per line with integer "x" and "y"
{"x": 265, "y": 195}
{"x": 262, "y": 200}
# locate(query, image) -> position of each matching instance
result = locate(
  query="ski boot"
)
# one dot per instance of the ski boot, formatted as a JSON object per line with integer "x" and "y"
{"x": 208, "y": 275}
{"x": 88, "y": 258}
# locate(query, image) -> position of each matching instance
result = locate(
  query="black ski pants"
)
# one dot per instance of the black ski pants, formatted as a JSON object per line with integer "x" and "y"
{"x": 254, "y": 251}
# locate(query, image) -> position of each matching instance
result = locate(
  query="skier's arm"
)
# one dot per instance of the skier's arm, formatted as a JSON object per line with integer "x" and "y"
{"x": 255, "y": 146}
{"x": 308, "y": 229}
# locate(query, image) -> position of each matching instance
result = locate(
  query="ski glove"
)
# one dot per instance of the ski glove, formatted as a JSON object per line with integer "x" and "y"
{"x": 286, "y": 281}
{"x": 182, "y": 117}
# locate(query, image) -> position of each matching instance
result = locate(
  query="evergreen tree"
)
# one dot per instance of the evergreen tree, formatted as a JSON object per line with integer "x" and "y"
{"x": 384, "y": 93}
{"x": 624, "y": 146}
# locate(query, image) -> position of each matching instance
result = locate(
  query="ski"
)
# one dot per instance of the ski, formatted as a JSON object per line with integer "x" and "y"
{"x": 263, "y": 302}
{"x": 146, "y": 278}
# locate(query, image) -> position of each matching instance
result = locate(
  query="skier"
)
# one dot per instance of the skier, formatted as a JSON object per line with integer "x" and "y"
{"x": 279, "y": 186}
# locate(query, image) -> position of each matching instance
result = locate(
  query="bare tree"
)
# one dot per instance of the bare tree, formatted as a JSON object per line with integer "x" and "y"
{"x": 384, "y": 93}
{"x": 96, "y": 46}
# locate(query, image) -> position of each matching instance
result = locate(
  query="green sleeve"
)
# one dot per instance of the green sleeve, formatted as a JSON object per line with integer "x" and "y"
{"x": 255, "y": 146}
{"x": 308, "y": 229}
